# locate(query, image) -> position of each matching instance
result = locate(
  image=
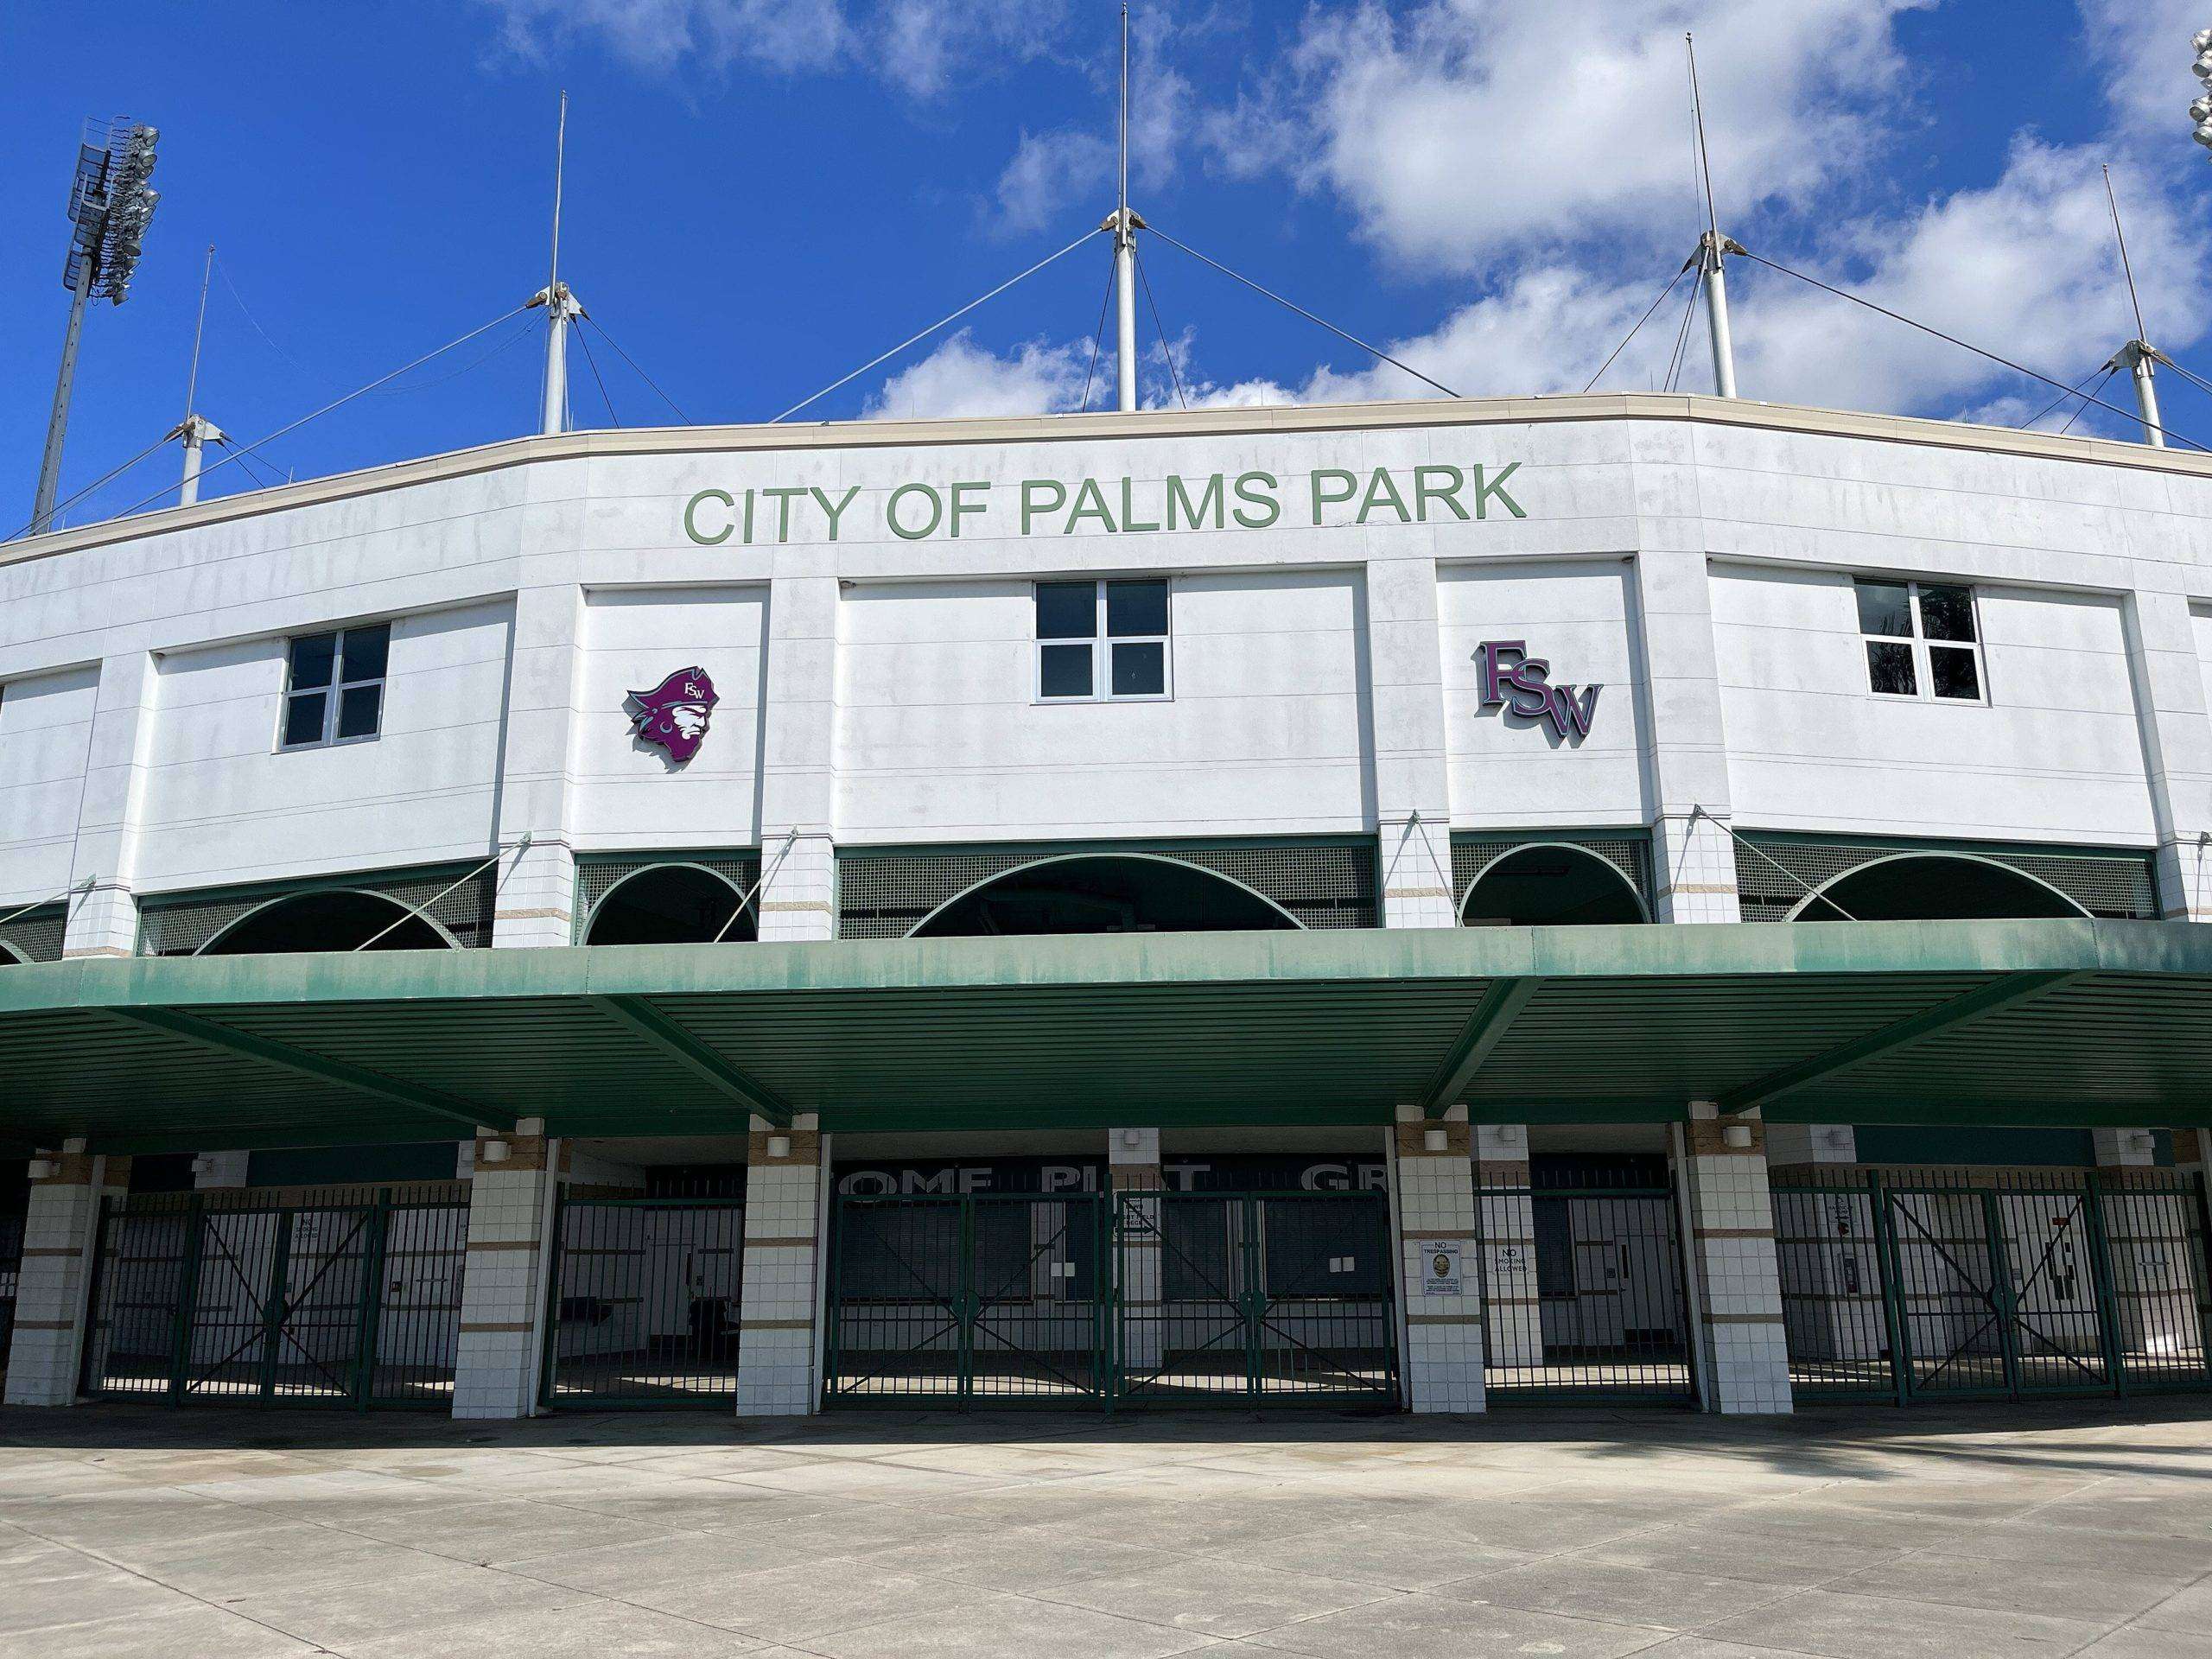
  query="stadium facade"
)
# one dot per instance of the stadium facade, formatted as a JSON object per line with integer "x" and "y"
{"x": 1426, "y": 906}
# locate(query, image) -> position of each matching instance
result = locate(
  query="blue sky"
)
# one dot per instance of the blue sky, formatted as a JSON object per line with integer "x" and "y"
{"x": 763, "y": 193}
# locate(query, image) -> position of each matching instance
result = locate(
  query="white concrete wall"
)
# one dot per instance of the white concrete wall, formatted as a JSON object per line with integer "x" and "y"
{"x": 1322, "y": 670}
{"x": 224, "y": 805}
{"x": 46, "y": 735}
{"x": 1578, "y": 615}
{"x": 628, "y": 792}
{"x": 941, "y": 736}
{"x": 2056, "y": 754}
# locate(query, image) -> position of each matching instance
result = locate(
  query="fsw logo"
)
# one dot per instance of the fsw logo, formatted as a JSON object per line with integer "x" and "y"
{"x": 1523, "y": 683}
{"x": 675, "y": 713}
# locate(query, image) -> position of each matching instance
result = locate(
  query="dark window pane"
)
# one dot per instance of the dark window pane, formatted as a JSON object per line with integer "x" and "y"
{"x": 1067, "y": 610}
{"x": 1140, "y": 670}
{"x": 1954, "y": 673}
{"x": 1136, "y": 608}
{"x": 1946, "y": 614}
{"x": 1885, "y": 607}
{"x": 311, "y": 659}
{"x": 357, "y": 710}
{"x": 1065, "y": 670}
{"x": 1888, "y": 668}
{"x": 366, "y": 650}
{"x": 303, "y": 719}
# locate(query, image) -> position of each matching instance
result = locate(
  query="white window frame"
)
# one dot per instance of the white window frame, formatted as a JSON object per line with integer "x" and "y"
{"x": 1101, "y": 642}
{"x": 333, "y": 695}
{"x": 1924, "y": 676}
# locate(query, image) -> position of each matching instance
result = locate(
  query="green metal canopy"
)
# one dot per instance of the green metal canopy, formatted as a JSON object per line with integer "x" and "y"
{"x": 2048, "y": 1022}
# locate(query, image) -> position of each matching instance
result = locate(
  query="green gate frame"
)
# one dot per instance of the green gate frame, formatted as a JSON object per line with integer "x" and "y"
{"x": 372, "y": 1222}
{"x": 1999, "y": 1295}
{"x": 1252, "y": 1308}
{"x": 964, "y": 1311}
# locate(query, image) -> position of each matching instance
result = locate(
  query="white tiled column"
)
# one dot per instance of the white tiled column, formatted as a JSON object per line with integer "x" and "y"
{"x": 1412, "y": 781}
{"x": 102, "y": 914}
{"x": 782, "y": 1287}
{"x": 1739, "y": 1320}
{"x": 537, "y": 895}
{"x": 1134, "y": 1173}
{"x": 502, "y": 1285}
{"x": 1436, "y": 1206}
{"x": 798, "y": 736}
{"x": 1693, "y": 852}
{"x": 51, "y": 1290}
{"x": 2164, "y": 665}
{"x": 1511, "y": 1304}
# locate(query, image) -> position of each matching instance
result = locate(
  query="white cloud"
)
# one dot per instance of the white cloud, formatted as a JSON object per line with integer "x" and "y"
{"x": 1463, "y": 131}
{"x": 924, "y": 46}
{"x": 2145, "y": 45}
{"x": 2025, "y": 268}
{"x": 963, "y": 378}
{"x": 1055, "y": 179}
{"x": 657, "y": 35}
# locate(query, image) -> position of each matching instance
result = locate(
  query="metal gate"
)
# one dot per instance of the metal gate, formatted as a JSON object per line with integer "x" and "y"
{"x": 2007, "y": 1287}
{"x": 1233, "y": 1298}
{"x": 644, "y": 1300}
{"x": 353, "y": 1300}
{"x": 1584, "y": 1295}
{"x": 991, "y": 1298}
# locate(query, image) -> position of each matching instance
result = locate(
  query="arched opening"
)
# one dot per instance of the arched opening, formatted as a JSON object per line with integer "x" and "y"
{"x": 326, "y": 921}
{"x": 671, "y": 904}
{"x": 1106, "y": 893}
{"x": 1934, "y": 887}
{"x": 1550, "y": 885}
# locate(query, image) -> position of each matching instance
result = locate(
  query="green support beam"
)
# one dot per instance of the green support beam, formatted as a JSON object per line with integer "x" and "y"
{"x": 643, "y": 1019}
{"x": 2000, "y": 994}
{"x": 322, "y": 1069}
{"x": 1485, "y": 1028}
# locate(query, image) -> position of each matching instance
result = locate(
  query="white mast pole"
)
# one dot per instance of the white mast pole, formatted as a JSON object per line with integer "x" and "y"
{"x": 1711, "y": 248}
{"x": 560, "y": 304}
{"x": 1125, "y": 250}
{"x": 194, "y": 429}
{"x": 2138, "y": 354}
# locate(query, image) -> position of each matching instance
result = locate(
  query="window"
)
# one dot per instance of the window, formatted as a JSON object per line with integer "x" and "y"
{"x": 334, "y": 692}
{"x": 1077, "y": 662}
{"x": 1921, "y": 640}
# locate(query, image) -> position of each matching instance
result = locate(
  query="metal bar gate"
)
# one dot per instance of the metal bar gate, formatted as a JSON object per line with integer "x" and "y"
{"x": 1584, "y": 1295}
{"x": 1073, "y": 1299}
{"x": 642, "y": 1300}
{"x": 1995, "y": 1288}
{"x": 348, "y": 1301}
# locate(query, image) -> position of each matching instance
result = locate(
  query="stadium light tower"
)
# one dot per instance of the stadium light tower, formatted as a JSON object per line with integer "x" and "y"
{"x": 110, "y": 203}
{"x": 2201, "y": 110}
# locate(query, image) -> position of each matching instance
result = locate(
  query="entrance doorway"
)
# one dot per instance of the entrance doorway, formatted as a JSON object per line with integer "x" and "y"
{"x": 643, "y": 1298}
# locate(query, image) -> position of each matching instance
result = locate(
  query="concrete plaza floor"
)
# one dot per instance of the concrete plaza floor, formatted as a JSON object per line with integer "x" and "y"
{"x": 2058, "y": 1528}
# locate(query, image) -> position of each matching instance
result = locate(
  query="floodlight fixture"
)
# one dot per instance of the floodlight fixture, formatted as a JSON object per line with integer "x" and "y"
{"x": 111, "y": 202}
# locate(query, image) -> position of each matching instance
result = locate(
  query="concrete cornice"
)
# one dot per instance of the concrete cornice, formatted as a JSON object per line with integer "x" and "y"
{"x": 1164, "y": 423}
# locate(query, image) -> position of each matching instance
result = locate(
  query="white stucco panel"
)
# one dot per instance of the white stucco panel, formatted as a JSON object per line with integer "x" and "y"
{"x": 630, "y": 793}
{"x": 46, "y": 728}
{"x": 2055, "y": 755}
{"x": 1577, "y": 616}
{"x": 942, "y": 738}
{"x": 223, "y": 804}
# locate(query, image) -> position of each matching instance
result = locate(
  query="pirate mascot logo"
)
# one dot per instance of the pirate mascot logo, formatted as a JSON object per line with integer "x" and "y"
{"x": 674, "y": 715}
